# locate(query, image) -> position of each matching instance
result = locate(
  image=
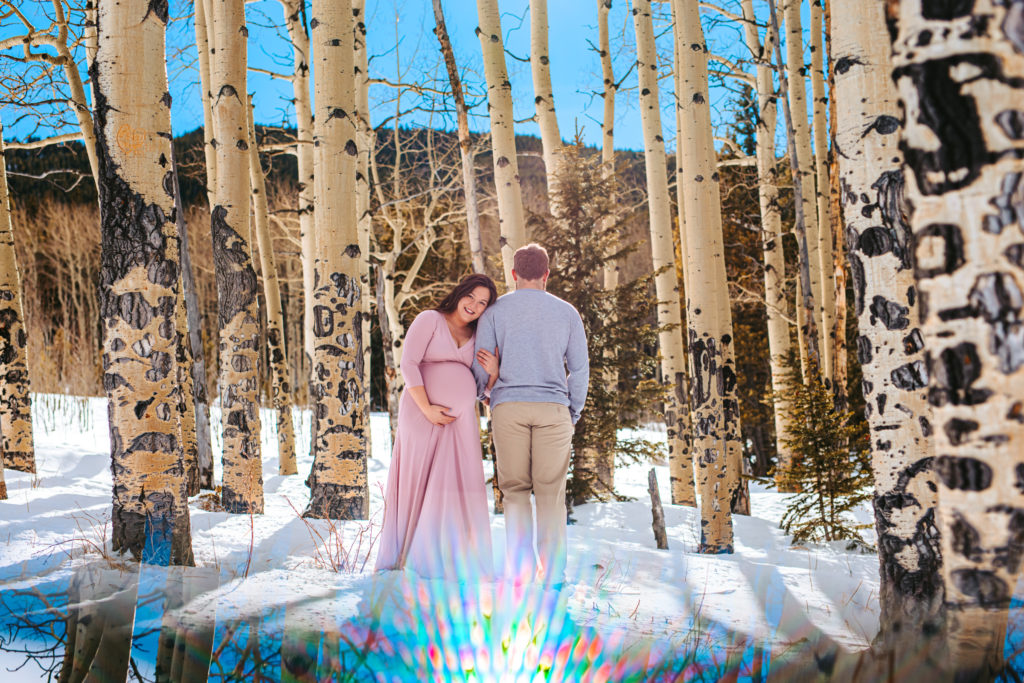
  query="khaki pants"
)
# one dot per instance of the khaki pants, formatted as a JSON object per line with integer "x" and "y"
{"x": 533, "y": 442}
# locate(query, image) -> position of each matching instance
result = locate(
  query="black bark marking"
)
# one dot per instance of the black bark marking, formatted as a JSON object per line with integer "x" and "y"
{"x": 883, "y": 125}
{"x": 1018, "y": 470}
{"x": 864, "y": 354}
{"x": 952, "y": 249}
{"x": 953, "y": 117}
{"x": 875, "y": 241}
{"x": 998, "y": 299}
{"x": 889, "y": 195}
{"x": 958, "y": 430}
{"x": 845, "y": 63}
{"x": 159, "y": 9}
{"x": 236, "y": 279}
{"x": 984, "y": 586}
{"x": 1009, "y": 204}
{"x": 913, "y": 342}
{"x": 1012, "y": 123}
{"x": 890, "y": 313}
{"x": 1016, "y": 412}
{"x": 1015, "y": 254}
{"x": 859, "y": 283}
{"x": 1013, "y": 23}
{"x": 946, "y": 9}
{"x": 955, "y": 371}
{"x": 963, "y": 473}
{"x": 965, "y": 539}
{"x": 911, "y": 376}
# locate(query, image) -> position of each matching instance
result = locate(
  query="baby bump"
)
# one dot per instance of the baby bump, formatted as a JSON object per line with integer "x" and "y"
{"x": 450, "y": 385}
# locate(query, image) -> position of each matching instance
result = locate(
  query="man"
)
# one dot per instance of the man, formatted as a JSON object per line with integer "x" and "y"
{"x": 534, "y": 409}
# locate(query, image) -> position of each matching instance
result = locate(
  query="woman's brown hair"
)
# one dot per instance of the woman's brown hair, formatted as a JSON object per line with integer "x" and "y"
{"x": 465, "y": 288}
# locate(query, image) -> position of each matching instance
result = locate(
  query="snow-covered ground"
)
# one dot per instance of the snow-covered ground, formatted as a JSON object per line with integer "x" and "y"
{"x": 776, "y": 595}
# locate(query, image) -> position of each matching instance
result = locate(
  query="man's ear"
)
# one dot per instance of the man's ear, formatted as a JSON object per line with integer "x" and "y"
{"x": 515, "y": 276}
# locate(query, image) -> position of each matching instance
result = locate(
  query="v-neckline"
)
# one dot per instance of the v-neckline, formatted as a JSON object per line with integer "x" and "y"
{"x": 458, "y": 347}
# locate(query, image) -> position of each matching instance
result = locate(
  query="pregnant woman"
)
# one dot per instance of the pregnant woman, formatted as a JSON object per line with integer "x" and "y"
{"x": 435, "y": 508}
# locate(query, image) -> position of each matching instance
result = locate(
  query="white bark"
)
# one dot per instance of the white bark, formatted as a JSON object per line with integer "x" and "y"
{"x": 18, "y": 452}
{"x": 503, "y": 139}
{"x": 715, "y": 416}
{"x": 238, "y": 317}
{"x": 366, "y": 141}
{"x": 670, "y": 341}
{"x": 959, "y": 70}
{"x": 338, "y": 481}
{"x": 776, "y": 304}
{"x": 827, "y": 302}
{"x": 139, "y": 283}
{"x": 203, "y": 48}
{"x": 281, "y": 392}
{"x": 544, "y": 98}
{"x": 295, "y": 15}
{"x": 890, "y": 347}
{"x": 804, "y": 161}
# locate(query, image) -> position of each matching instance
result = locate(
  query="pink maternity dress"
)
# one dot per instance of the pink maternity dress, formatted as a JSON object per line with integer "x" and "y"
{"x": 435, "y": 507}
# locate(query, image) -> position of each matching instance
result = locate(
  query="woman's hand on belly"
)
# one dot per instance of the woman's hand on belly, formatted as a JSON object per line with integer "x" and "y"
{"x": 438, "y": 415}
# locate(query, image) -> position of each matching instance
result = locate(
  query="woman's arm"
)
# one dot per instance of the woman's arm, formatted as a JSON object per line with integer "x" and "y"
{"x": 491, "y": 364}
{"x": 416, "y": 341}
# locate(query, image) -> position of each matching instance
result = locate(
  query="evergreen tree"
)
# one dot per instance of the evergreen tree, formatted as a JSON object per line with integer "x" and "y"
{"x": 831, "y": 467}
{"x": 584, "y": 233}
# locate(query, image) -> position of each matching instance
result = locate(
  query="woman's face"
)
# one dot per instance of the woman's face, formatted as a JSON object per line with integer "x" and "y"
{"x": 471, "y": 306}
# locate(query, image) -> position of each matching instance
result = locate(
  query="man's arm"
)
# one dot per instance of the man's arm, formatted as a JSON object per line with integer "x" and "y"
{"x": 577, "y": 360}
{"x": 486, "y": 338}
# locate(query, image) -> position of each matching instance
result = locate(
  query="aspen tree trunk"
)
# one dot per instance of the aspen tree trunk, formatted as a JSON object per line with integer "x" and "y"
{"x": 204, "y": 48}
{"x": 139, "y": 282}
{"x": 827, "y": 302}
{"x": 367, "y": 142}
{"x": 890, "y": 346}
{"x": 197, "y": 393}
{"x": 503, "y": 138}
{"x": 338, "y": 483}
{"x": 242, "y": 489}
{"x": 803, "y": 165}
{"x": 776, "y": 305}
{"x": 807, "y": 329}
{"x": 841, "y": 353}
{"x": 715, "y": 415}
{"x": 276, "y": 351}
{"x": 295, "y": 20}
{"x": 18, "y": 452}
{"x": 186, "y": 396}
{"x": 544, "y": 98}
{"x": 3, "y": 484}
{"x": 467, "y": 156}
{"x": 673, "y": 367}
{"x": 606, "y": 460}
{"x": 959, "y": 71}
{"x": 686, "y": 413}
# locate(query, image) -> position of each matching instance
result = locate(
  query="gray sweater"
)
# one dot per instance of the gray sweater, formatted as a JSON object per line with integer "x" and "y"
{"x": 538, "y": 336}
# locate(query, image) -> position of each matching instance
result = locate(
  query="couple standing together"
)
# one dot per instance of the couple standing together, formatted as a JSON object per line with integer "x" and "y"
{"x": 527, "y": 353}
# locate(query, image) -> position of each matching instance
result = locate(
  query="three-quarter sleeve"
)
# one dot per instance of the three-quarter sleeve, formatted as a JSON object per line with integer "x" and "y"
{"x": 417, "y": 338}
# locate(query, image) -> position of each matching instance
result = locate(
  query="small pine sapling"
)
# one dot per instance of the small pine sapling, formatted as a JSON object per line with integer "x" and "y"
{"x": 831, "y": 467}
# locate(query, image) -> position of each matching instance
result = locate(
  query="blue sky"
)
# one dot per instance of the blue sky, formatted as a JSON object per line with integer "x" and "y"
{"x": 403, "y": 48}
